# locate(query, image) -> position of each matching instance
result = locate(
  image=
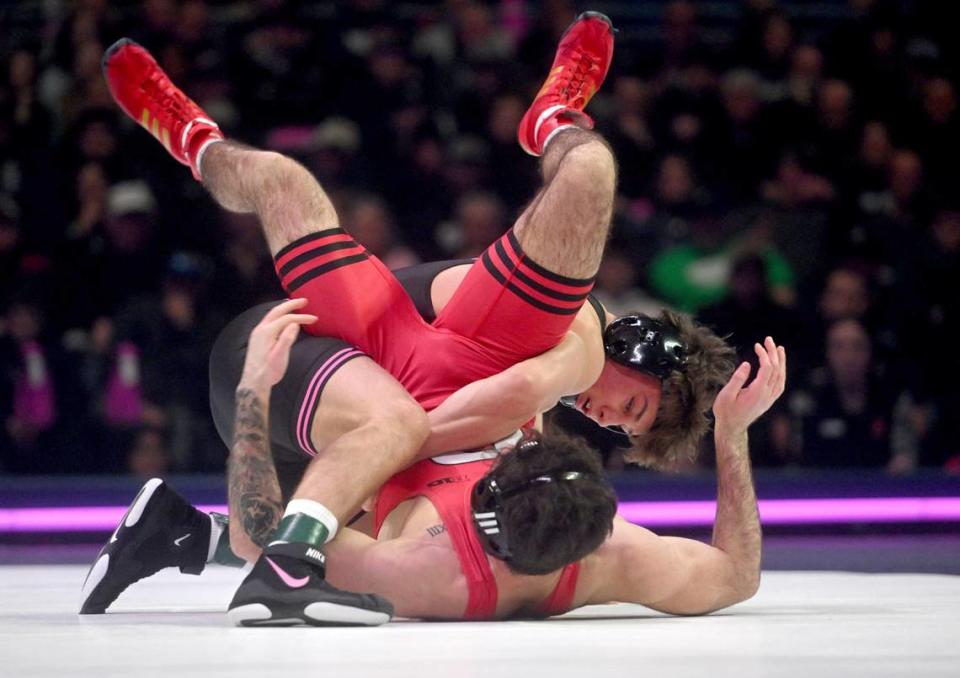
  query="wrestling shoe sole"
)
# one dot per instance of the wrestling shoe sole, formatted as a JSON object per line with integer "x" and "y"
{"x": 313, "y": 614}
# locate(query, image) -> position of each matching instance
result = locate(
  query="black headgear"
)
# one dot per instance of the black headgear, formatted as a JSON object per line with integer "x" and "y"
{"x": 643, "y": 344}
{"x": 646, "y": 345}
{"x": 486, "y": 502}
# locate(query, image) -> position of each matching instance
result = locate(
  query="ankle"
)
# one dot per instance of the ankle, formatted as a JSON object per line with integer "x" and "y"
{"x": 563, "y": 120}
{"x": 308, "y": 522}
{"x": 219, "y": 549}
{"x": 198, "y": 147}
{"x": 208, "y": 141}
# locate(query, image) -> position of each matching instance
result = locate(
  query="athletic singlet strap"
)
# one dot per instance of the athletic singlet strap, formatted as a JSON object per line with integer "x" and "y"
{"x": 448, "y": 487}
{"x": 561, "y": 598}
{"x": 601, "y": 313}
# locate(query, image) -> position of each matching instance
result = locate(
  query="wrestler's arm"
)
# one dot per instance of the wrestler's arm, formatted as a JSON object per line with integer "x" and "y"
{"x": 421, "y": 578}
{"x": 684, "y": 576}
{"x": 495, "y": 407}
{"x": 253, "y": 491}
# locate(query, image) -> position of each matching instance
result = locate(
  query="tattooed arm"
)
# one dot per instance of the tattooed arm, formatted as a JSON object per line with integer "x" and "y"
{"x": 253, "y": 490}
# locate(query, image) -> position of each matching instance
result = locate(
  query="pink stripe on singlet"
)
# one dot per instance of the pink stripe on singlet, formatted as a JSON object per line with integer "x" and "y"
{"x": 313, "y": 392}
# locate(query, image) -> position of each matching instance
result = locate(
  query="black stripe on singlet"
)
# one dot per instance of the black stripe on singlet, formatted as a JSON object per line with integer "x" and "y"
{"x": 313, "y": 254}
{"x": 530, "y": 282}
{"x": 310, "y": 237}
{"x": 546, "y": 273}
{"x": 536, "y": 303}
{"x": 301, "y": 280}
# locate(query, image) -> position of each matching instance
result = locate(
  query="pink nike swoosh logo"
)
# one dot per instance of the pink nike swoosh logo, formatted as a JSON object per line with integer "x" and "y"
{"x": 287, "y": 579}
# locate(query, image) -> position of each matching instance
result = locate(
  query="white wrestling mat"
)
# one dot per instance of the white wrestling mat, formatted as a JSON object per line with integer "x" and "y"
{"x": 809, "y": 624}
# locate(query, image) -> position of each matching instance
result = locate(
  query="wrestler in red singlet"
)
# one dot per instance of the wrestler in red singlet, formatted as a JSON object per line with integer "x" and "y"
{"x": 448, "y": 484}
{"x": 507, "y": 309}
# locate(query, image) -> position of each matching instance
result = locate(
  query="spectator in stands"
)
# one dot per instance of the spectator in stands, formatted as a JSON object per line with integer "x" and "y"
{"x": 11, "y": 246}
{"x": 35, "y": 393}
{"x": 681, "y": 35}
{"x": 930, "y": 329}
{"x": 244, "y": 274}
{"x": 804, "y": 78}
{"x": 617, "y": 286}
{"x": 846, "y": 415}
{"x": 696, "y": 273}
{"x": 743, "y": 150}
{"x": 808, "y": 140}
{"x": 772, "y": 59}
{"x": 367, "y": 218}
{"x": 631, "y": 136}
{"x": 748, "y": 313}
{"x": 867, "y": 178}
{"x": 124, "y": 248}
{"x": 515, "y": 178}
{"x": 149, "y": 456}
{"x": 169, "y": 339}
{"x": 647, "y": 226}
{"x": 795, "y": 186}
{"x": 31, "y": 123}
{"x": 836, "y": 131}
{"x": 938, "y": 132}
{"x": 746, "y": 316}
{"x": 480, "y": 219}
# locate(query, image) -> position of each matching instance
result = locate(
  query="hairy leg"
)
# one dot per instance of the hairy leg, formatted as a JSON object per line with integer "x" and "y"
{"x": 278, "y": 189}
{"x": 367, "y": 428}
{"x": 363, "y": 440}
{"x": 565, "y": 228}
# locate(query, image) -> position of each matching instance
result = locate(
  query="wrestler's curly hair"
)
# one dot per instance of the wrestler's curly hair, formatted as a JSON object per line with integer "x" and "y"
{"x": 553, "y": 525}
{"x": 686, "y": 397}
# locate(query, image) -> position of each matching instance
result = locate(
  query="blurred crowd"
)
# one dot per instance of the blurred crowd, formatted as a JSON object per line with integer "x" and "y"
{"x": 785, "y": 168}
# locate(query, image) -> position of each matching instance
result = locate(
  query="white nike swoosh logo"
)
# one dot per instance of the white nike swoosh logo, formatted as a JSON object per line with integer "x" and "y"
{"x": 177, "y": 541}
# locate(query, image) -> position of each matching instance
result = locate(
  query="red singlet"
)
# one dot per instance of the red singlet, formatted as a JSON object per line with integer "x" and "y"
{"x": 447, "y": 482}
{"x": 506, "y": 309}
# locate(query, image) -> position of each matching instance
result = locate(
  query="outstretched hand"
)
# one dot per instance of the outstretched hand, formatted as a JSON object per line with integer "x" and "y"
{"x": 736, "y": 407}
{"x": 268, "y": 351}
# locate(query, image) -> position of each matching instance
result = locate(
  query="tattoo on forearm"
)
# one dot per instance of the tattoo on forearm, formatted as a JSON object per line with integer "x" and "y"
{"x": 436, "y": 530}
{"x": 251, "y": 476}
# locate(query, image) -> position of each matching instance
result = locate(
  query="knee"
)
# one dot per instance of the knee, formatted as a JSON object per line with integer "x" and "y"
{"x": 278, "y": 173}
{"x": 592, "y": 164}
{"x": 406, "y": 422}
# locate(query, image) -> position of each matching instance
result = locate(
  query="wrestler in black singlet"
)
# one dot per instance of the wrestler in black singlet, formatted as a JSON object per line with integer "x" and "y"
{"x": 308, "y": 356}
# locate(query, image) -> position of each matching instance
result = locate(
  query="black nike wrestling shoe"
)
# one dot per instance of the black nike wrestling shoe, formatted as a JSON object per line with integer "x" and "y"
{"x": 287, "y": 587}
{"x": 160, "y": 529}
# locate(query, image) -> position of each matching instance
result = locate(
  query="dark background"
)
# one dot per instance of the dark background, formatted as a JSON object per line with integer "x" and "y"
{"x": 786, "y": 168}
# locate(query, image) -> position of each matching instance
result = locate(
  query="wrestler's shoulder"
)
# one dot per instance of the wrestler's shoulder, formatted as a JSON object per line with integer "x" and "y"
{"x": 587, "y": 326}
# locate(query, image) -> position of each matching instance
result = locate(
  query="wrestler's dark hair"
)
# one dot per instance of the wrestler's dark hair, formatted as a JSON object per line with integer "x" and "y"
{"x": 686, "y": 397}
{"x": 553, "y": 525}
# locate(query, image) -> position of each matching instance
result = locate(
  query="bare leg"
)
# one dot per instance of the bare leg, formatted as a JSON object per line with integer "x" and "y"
{"x": 278, "y": 189}
{"x": 565, "y": 228}
{"x": 362, "y": 442}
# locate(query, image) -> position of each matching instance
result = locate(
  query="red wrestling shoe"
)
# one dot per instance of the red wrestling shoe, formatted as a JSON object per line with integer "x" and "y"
{"x": 582, "y": 61}
{"x": 146, "y": 94}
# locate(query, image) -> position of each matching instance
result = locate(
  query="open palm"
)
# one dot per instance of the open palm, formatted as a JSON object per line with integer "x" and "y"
{"x": 736, "y": 407}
